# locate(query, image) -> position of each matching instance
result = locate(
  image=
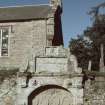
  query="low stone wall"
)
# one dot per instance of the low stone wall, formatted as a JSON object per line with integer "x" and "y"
{"x": 8, "y": 91}
{"x": 94, "y": 89}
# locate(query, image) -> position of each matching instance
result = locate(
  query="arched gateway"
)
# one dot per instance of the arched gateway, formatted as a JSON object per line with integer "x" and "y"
{"x": 50, "y": 95}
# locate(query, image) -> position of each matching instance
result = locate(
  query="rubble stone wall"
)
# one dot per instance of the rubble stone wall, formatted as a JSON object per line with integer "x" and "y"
{"x": 94, "y": 91}
{"x": 8, "y": 91}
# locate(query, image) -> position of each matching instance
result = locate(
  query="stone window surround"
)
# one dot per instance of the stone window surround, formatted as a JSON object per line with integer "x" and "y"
{"x": 1, "y": 30}
{"x": 10, "y": 26}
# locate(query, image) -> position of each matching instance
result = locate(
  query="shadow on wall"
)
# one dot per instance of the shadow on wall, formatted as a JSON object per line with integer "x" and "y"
{"x": 58, "y": 35}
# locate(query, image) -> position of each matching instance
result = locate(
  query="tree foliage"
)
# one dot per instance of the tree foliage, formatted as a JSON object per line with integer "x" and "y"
{"x": 87, "y": 46}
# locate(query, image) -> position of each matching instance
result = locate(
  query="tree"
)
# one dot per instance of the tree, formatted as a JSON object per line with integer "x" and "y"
{"x": 87, "y": 46}
{"x": 82, "y": 50}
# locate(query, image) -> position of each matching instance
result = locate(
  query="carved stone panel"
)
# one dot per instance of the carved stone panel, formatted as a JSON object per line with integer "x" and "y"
{"x": 51, "y": 64}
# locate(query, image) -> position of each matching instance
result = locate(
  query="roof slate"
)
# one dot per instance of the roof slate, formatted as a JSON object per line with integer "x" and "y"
{"x": 24, "y": 12}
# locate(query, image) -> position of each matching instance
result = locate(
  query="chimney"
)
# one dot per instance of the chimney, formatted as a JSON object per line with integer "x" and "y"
{"x": 56, "y": 3}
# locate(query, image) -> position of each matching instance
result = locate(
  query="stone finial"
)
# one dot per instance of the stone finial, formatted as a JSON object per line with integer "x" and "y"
{"x": 102, "y": 67}
{"x": 56, "y": 3}
{"x": 89, "y": 65}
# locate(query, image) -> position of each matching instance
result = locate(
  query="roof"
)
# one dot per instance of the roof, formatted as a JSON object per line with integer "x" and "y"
{"x": 24, "y": 12}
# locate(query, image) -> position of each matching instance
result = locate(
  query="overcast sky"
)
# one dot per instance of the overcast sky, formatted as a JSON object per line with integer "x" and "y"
{"x": 74, "y": 19}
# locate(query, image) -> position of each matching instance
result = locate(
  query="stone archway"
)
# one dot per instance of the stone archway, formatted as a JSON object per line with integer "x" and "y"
{"x": 50, "y": 95}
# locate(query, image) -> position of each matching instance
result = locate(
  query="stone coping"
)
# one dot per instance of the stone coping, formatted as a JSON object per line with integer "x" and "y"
{"x": 94, "y": 73}
{"x": 47, "y": 56}
{"x": 47, "y": 74}
{"x": 8, "y": 68}
{"x": 6, "y": 73}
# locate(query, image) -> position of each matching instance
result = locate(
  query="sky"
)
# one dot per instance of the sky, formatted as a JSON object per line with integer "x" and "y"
{"x": 75, "y": 18}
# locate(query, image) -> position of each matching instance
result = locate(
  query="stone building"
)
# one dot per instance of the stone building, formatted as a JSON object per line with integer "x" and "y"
{"x": 35, "y": 69}
{"x": 26, "y": 30}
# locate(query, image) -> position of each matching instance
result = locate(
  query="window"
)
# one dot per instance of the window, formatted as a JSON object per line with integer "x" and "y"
{"x": 4, "y": 33}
